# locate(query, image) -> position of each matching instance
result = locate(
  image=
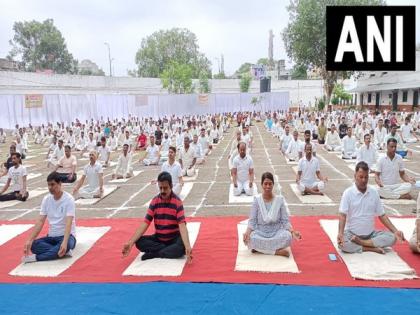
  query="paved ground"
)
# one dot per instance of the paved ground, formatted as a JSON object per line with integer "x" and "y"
{"x": 210, "y": 193}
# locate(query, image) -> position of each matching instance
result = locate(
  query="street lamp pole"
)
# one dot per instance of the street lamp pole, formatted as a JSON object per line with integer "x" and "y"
{"x": 109, "y": 57}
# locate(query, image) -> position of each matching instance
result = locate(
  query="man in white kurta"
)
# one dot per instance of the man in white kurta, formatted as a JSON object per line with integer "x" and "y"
{"x": 187, "y": 158}
{"x": 124, "y": 168}
{"x": 333, "y": 141}
{"x": 152, "y": 153}
{"x": 407, "y": 133}
{"x": 367, "y": 153}
{"x": 174, "y": 168}
{"x": 93, "y": 173}
{"x": 309, "y": 179}
{"x": 349, "y": 149}
{"x": 390, "y": 169}
{"x": 379, "y": 135}
{"x": 292, "y": 152}
{"x": 243, "y": 172}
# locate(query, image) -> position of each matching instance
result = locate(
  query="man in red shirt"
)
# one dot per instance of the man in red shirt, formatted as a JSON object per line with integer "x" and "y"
{"x": 141, "y": 141}
{"x": 171, "y": 235}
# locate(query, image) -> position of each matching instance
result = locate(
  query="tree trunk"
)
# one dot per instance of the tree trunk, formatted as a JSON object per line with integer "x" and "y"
{"x": 330, "y": 78}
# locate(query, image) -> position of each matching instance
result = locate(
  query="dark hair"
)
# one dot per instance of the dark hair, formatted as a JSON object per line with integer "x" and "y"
{"x": 391, "y": 140}
{"x": 67, "y": 147}
{"x": 366, "y": 135}
{"x": 103, "y": 138}
{"x": 54, "y": 176}
{"x": 239, "y": 144}
{"x": 363, "y": 166}
{"x": 165, "y": 177}
{"x": 267, "y": 175}
{"x": 17, "y": 154}
{"x": 307, "y": 132}
{"x": 172, "y": 148}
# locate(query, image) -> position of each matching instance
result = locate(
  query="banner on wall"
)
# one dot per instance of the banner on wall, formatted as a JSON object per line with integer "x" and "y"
{"x": 203, "y": 99}
{"x": 33, "y": 100}
{"x": 142, "y": 100}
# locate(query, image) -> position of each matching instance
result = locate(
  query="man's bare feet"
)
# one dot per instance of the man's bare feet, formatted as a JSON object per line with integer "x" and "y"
{"x": 282, "y": 252}
{"x": 406, "y": 197}
{"x": 374, "y": 249}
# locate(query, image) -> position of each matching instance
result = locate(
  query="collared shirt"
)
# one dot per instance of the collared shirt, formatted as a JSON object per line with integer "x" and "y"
{"x": 308, "y": 169}
{"x": 368, "y": 155}
{"x": 349, "y": 144}
{"x": 361, "y": 209}
{"x": 243, "y": 165}
{"x": 390, "y": 169}
{"x": 173, "y": 169}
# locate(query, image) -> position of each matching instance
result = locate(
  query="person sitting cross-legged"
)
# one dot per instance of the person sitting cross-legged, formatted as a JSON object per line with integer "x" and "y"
{"x": 349, "y": 148}
{"x": 59, "y": 209}
{"x": 152, "y": 153}
{"x": 17, "y": 177}
{"x": 66, "y": 166}
{"x": 93, "y": 173}
{"x": 269, "y": 229}
{"x": 171, "y": 235}
{"x": 243, "y": 172}
{"x": 308, "y": 172}
{"x": 359, "y": 206}
{"x": 124, "y": 168}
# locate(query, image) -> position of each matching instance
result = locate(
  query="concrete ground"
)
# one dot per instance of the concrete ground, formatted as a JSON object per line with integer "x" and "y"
{"x": 210, "y": 193}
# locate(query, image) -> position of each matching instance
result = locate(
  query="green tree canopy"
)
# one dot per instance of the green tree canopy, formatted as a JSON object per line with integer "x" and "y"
{"x": 177, "y": 78}
{"x": 243, "y": 69}
{"x": 305, "y": 38}
{"x": 178, "y": 45}
{"x": 40, "y": 46}
{"x": 299, "y": 72}
{"x": 245, "y": 83}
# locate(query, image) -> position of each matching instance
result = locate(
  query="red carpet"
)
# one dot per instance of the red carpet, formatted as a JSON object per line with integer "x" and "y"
{"x": 214, "y": 257}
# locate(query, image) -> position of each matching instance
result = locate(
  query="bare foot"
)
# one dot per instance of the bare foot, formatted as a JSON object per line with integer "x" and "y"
{"x": 356, "y": 239}
{"x": 374, "y": 249}
{"x": 255, "y": 251}
{"x": 406, "y": 196}
{"x": 282, "y": 252}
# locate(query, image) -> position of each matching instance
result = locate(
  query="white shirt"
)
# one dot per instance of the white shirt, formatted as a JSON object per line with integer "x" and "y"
{"x": 92, "y": 174}
{"x": 197, "y": 149}
{"x": 204, "y": 142}
{"x": 152, "y": 152}
{"x": 308, "y": 169}
{"x": 332, "y": 138}
{"x": 104, "y": 153}
{"x": 406, "y": 131}
{"x": 285, "y": 141}
{"x": 390, "y": 169}
{"x": 57, "y": 212}
{"x": 294, "y": 146}
{"x": 349, "y": 144}
{"x": 243, "y": 165}
{"x": 16, "y": 176}
{"x": 379, "y": 135}
{"x": 187, "y": 157}
{"x": 361, "y": 209}
{"x": 174, "y": 169}
{"x": 368, "y": 155}
{"x": 123, "y": 164}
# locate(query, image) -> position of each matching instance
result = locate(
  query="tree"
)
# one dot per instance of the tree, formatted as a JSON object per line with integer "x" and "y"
{"x": 220, "y": 75}
{"x": 88, "y": 67}
{"x": 299, "y": 72}
{"x": 263, "y": 61}
{"x": 204, "y": 85}
{"x": 165, "y": 47}
{"x": 305, "y": 38}
{"x": 339, "y": 94}
{"x": 177, "y": 78}
{"x": 41, "y": 46}
{"x": 245, "y": 68}
{"x": 245, "y": 83}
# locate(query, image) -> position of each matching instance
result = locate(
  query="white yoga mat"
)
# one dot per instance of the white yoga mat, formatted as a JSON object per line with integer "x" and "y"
{"x": 248, "y": 261}
{"x": 32, "y": 175}
{"x": 310, "y": 198}
{"x": 86, "y": 237}
{"x": 29, "y": 157}
{"x": 190, "y": 178}
{"x": 163, "y": 266}
{"x": 184, "y": 193}
{"x": 9, "y": 231}
{"x": 32, "y": 194}
{"x": 242, "y": 198}
{"x": 398, "y": 202}
{"x": 370, "y": 265}
{"x": 406, "y": 225}
{"x": 107, "y": 190}
{"x": 290, "y": 162}
{"x": 124, "y": 180}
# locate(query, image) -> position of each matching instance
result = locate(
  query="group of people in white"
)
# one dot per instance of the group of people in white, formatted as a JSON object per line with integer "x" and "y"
{"x": 180, "y": 144}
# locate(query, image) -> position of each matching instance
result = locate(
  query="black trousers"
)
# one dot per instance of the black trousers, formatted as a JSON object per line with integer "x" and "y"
{"x": 13, "y": 196}
{"x": 65, "y": 177}
{"x": 151, "y": 244}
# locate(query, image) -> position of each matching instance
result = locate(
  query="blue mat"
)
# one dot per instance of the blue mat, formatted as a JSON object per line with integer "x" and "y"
{"x": 203, "y": 298}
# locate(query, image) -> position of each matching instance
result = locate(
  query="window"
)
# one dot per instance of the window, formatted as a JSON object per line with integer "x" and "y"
{"x": 404, "y": 96}
{"x": 369, "y": 97}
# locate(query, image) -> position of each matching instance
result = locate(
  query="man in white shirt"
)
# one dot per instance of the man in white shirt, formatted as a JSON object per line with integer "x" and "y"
{"x": 82, "y": 142}
{"x": 389, "y": 169}
{"x": 174, "y": 168}
{"x": 379, "y": 135}
{"x": 407, "y": 133}
{"x": 349, "y": 149}
{"x": 198, "y": 151}
{"x": 367, "y": 153}
{"x": 124, "y": 168}
{"x": 59, "y": 209}
{"x": 333, "y": 141}
{"x": 187, "y": 158}
{"x": 204, "y": 142}
{"x": 57, "y": 154}
{"x": 17, "y": 178}
{"x": 243, "y": 172}
{"x": 234, "y": 149}
{"x": 309, "y": 179}
{"x": 285, "y": 139}
{"x": 93, "y": 173}
{"x": 66, "y": 166}
{"x": 292, "y": 152}
{"x": 359, "y": 206}
{"x": 152, "y": 153}
{"x": 307, "y": 140}
{"x": 104, "y": 153}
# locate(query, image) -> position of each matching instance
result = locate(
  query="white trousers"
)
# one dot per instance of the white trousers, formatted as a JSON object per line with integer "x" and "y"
{"x": 349, "y": 155}
{"x": 188, "y": 171}
{"x": 394, "y": 191}
{"x": 318, "y": 184}
{"x": 336, "y": 148}
{"x": 243, "y": 187}
{"x": 148, "y": 162}
{"x": 88, "y": 193}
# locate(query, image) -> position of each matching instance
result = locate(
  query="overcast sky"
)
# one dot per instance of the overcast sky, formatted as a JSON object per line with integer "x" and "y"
{"x": 237, "y": 29}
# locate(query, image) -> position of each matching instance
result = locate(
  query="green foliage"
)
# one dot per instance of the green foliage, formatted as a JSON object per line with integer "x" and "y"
{"x": 244, "y": 69}
{"x": 204, "y": 85}
{"x": 41, "y": 47}
{"x": 299, "y": 72}
{"x": 263, "y": 61}
{"x": 100, "y": 72}
{"x": 165, "y": 47}
{"x": 245, "y": 83}
{"x": 177, "y": 78}
{"x": 340, "y": 93}
{"x": 321, "y": 104}
{"x": 305, "y": 35}
{"x": 220, "y": 75}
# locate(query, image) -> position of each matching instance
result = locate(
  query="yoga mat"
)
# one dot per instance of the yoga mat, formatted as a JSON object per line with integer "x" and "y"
{"x": 242, "y": 198}
{"x": 192, "y": 178}
{"x": 248, "y": 261}
{"x": 32, "y": 194}
{"x": 163, "y": 266}
{"x": 369, "y": 265}
{"x": 310, "y": 198}
{"x": 406, "y": 225}
{"x": 86, "y": 238}
{"x": 9, "y": 231}
{"x": 124, "y": 180}
{"x": 108, "y": 189}
{"x": 186, "y": 188}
